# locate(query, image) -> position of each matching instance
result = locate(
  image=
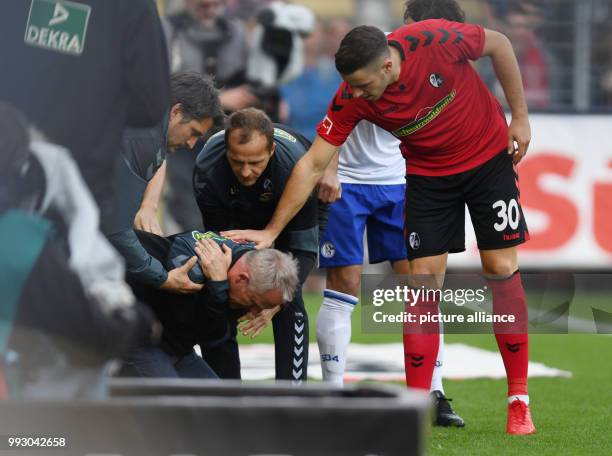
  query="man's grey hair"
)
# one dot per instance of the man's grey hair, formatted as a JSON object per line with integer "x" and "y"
{"x": 272, "y": 269}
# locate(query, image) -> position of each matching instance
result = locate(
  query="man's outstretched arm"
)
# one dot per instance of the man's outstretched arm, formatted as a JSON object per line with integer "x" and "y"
{"x": 305, "y": 175}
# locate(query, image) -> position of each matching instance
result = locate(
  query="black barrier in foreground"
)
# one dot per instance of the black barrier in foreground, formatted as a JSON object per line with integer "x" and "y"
{"x": 191, "y": 417}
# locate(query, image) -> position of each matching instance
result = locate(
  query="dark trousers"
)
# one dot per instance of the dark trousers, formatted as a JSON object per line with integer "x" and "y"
{"x": 155, "y": 362}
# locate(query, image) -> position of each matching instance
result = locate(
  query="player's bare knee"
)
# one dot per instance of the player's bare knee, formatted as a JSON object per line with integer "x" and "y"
{"x": 499, "y": 263}
{"x": 499, "y": 267}
{"x": 427, "y": 272}
{"x": 435, "y": 265}
{"x": 344, "y": 279}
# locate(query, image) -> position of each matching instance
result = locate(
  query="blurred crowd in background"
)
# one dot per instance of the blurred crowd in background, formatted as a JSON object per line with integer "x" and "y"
{"x": 564, "y": 48}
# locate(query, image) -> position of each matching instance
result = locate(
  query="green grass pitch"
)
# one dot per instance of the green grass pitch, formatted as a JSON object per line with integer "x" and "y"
{"x": 573, "y": 416}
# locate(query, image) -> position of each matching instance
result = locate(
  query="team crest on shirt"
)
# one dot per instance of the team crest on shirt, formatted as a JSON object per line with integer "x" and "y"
{"x": 414, "y": 240}
{"x": 328, "y": 250}
{"x": 436, "y": 80}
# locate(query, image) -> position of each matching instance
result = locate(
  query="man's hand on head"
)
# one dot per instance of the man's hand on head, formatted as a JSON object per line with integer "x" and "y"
{"x": 263, "y": 239}
{"x": 215, "y": 260}
{"x": 178, "y": 280}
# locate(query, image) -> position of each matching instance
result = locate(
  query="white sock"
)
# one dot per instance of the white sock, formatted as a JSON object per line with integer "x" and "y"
{"x": 436, "y": 379}
{"x": 334, "y": 334}
{"x": 521, "y": 397}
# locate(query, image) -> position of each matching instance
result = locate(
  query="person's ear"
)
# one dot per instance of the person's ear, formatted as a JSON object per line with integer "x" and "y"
{"x": 273, "y": 149}
{"x": 387, "y": 65}
{"x": 244, "y": 277}
{"x": 176, "y": 111}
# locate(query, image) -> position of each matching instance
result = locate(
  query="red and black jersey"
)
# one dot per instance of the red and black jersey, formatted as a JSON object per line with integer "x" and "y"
{"x": 445, "y": 117}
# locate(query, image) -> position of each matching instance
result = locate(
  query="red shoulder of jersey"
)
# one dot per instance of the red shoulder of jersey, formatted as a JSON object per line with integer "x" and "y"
{"x": 343, "y": 114}
{"x": 455, "y": 40}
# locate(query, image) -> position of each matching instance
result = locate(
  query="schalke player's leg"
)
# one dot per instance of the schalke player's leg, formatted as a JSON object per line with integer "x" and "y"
{"x": 341, "y": 252}
{"x": 334, "y": 320}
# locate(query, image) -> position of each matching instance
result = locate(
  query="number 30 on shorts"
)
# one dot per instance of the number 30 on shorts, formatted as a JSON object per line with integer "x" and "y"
{"x": 509, "y": 214}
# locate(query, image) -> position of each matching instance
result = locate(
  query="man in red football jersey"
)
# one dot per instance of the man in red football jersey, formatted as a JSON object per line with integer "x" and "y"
{"x": 418, "y": 83}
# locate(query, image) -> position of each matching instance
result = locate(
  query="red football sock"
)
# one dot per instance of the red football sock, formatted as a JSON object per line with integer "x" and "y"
{"x": 512, "y": 338}
{"x": 421, "y": 343}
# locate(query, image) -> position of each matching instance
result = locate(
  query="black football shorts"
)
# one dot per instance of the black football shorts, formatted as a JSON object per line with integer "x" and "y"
{"x": 435, "y": 209}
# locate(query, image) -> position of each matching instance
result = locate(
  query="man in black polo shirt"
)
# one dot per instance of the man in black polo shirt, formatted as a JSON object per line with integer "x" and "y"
{"x": 239, "y": 177}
